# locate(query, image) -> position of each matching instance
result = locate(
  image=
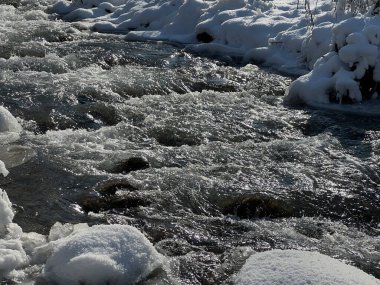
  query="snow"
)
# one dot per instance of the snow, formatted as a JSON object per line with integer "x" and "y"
{"x": 263, "y": 31}
{"x": 94, "y": 256}
{"x": 350, "y": 71}
{"x": 299, "y": 267}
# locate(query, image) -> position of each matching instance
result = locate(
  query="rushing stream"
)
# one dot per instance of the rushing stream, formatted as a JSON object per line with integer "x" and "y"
{"x": 200, "y": 154}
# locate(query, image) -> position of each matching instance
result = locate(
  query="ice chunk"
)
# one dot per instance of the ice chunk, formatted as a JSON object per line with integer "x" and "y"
{"x": 3, "y": 170}
{"x": 300, "y": 267}
{"x": 8, "y": 123}
{"x": 6, "y": 212}
{"x": 12, "y": 256}
{"x": 105, "y": 254}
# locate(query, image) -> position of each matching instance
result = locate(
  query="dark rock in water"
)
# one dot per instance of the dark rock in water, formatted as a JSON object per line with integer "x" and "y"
{"x": 110, "y": 187}
{"x": 257, "y": 206}
{"x": 204, "y": 37}
{"x": 131, "y": 164}
{"x": 99, "y": 204}
{"x": 176, "y": 137}
{"x": 108, "y": 200}
{"x": 311, "y": 230}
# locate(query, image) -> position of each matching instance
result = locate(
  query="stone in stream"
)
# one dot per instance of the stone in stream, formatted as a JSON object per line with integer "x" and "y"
{"x": 256, "y": 206}
{"x": 107, "y": 198}
{"x": 131, "y": 164}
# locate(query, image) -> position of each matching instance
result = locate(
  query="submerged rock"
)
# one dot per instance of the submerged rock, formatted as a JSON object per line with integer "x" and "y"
{"x": 131, "y": 164}
{"x": 256, "y": 206}
{"x": 107, "y": 198}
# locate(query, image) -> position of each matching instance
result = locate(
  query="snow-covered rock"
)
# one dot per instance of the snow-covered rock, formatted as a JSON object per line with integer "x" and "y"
{"x": 106, "y": 254}
{"x": 293, "y": 267}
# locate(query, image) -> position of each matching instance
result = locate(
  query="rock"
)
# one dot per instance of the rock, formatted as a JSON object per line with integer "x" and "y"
{"x": 110, "y": 187}
{"x": 131, "y": 164}
{"x": 256, "y": 206}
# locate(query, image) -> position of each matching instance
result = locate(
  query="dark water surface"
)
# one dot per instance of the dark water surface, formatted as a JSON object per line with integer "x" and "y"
{"x": 201, "y": 155}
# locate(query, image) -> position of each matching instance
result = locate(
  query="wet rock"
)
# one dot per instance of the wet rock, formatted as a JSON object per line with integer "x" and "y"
{"x": 204, "y": 37}
{"x": 256, "y": 206}
{"x": 310, "y": 230}
{"x": 110, "y": 187}
{"x": 176, "y": 138}
{"x": 131, "y": 164}
{"x": 100, "y": 204}
{"x": 106, "y": 198}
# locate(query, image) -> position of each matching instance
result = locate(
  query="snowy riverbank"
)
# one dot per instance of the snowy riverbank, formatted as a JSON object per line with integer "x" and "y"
{"x": 280, "y": 34}
{"x": 275, "y": 33}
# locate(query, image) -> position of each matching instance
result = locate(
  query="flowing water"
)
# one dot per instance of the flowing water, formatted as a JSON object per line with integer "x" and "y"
{"x": 200, "y": 154}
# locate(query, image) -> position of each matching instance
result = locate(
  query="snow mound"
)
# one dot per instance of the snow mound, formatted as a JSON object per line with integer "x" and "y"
{"x": 294, "y": 267}
{"x": 349, "y": 73}
{"x": 8, "y": 123}
{"x": 105, "y": 254}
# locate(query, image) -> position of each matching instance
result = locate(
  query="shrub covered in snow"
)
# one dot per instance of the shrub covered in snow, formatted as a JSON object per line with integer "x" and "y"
{"x": 350, "y": 72}
{"x": 298, "y": 268}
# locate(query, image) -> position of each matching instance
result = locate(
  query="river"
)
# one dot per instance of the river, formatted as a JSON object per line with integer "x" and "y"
{"x": 199, "y": 153}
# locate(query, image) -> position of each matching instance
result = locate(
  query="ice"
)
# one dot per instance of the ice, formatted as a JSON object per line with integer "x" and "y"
{"x": 3, "y": 170}
{"x": 299, "y": 267}
{"x": 6, "y": 212}
{"x": 8, "y": 123}
{"x": 105, "y": 254}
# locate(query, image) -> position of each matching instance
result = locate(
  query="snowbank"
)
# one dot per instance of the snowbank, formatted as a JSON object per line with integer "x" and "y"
{"x": 298, "y": 268}
{"x": 107, "y": 254}
{"x": 272, "y": 32}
